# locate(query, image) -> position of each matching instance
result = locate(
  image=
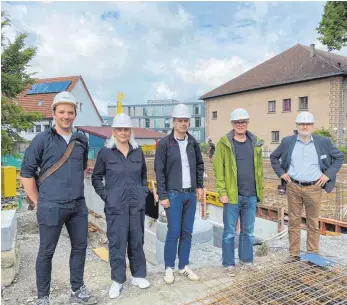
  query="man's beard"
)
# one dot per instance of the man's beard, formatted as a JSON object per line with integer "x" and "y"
{"x": 304, "y": 133}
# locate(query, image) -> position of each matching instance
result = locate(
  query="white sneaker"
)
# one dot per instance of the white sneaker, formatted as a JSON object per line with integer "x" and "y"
{"x": 169, "y": 276}
{"x": 115, "y": 289}
{"x": 141, "y": 282}
{"x": 230, "y": 270}
{"x": 189, "y": 273}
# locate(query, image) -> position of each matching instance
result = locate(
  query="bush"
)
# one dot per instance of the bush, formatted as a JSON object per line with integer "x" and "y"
{"x": 204, "y": 148}
{"x": 344, "y": 150}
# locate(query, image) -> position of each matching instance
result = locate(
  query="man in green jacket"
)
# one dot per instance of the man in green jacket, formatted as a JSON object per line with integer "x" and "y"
{"x": 238, "y": 168}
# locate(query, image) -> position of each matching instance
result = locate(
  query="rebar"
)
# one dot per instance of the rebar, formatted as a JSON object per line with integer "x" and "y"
{"x": 283, "y": 284}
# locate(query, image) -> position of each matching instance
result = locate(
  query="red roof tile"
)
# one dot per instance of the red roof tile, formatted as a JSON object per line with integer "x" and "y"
{"x": 29, "y": 102}
{"x": 106, "y": 132}
{"x": 290, "y": 66}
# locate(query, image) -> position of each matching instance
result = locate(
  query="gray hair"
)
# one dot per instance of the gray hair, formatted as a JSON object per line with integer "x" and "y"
{"x": 112, "y": 142}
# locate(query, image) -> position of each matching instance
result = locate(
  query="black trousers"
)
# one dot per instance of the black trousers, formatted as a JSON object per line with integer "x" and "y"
{"x": 51, "y": 221}
{"x": 126, "y": 231}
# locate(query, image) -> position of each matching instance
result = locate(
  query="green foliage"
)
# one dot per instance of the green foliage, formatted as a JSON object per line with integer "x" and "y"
{"x": 204, "y": 148}
{"x": 333, "y": 26}
{"x": 344, "y": 150}
{"x": 323, "y": 133}
{"x": 15, "y": 58}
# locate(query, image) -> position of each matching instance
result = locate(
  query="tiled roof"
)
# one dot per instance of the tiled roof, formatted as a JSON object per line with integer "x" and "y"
{"x": 290, "y": 66}
{"x": 106, "y": 132}
{"x": 30, "y": 102}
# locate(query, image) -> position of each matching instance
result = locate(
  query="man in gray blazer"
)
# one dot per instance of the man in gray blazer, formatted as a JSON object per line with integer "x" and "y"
{"x": 307, "y": 163}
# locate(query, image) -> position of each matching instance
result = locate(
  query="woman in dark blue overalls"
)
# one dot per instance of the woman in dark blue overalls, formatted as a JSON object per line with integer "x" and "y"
{"x": 123, "y": 166}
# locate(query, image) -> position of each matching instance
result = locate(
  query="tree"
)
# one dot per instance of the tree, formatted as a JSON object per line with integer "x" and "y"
{"x": 15, "y": 58}
{"x": 333, "y": 26}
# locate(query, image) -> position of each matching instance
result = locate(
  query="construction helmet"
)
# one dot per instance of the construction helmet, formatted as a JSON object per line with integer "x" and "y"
{"x": 305, "y": 117}
{"x": 181, "y": 111}
{"x": 64, "y": 97}
{"x": 122, "y": 120}
{"x": 239, "y": 114}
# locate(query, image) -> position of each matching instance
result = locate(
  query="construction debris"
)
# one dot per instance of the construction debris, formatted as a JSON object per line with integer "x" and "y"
{"x": 102, "y": 253}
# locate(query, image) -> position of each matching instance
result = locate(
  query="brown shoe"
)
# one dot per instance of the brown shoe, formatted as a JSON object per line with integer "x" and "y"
{"x": 292, "y": 259}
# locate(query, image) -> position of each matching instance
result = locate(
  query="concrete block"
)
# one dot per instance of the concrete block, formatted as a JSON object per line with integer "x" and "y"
{"x": 10, "y": 264}
{"x": 160, "y": 252}
{"x": 8, "y": 229}
{"x": 202, "y": 231}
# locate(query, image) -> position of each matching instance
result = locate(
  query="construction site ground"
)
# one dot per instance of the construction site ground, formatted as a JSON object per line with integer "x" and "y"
{"x": 205, "y": 259}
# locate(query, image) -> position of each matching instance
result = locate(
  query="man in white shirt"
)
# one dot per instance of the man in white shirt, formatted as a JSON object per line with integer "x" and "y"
{"x": 179, "y": 169}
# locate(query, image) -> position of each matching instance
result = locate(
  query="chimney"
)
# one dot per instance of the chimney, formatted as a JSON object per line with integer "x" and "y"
{"x": 312, "y": 50}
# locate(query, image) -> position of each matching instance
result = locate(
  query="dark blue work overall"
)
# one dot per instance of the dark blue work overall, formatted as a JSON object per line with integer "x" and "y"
{"x": 124, "y": 194}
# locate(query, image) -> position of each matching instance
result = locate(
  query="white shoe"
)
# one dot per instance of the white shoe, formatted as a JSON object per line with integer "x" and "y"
{"x": 230, "y": 270}
{"x": 141, "y": 282}
{"x": 169, "y": 276}
{"x": 115, "y": 289}
{"x": 189, "y": 273}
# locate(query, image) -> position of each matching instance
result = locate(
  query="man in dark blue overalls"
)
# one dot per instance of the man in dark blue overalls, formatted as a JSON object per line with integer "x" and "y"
{"x": 60, "y": 198}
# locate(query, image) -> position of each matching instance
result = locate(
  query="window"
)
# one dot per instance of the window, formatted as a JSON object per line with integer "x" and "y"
{"x": 295, "y": 132}
{"x": 154, "y": 110}
{"x": 196, "y": 109}
{"x": 271, "y": 106}
{"x": 38, "y": 128}
{"x": 147, "y": 123}
{"x": 45, "y": 127}
{"x": 145, "y": 112}
{"x": 214, "y": 115}
{"x": 275, "y": 136}
{"x": 196, "y": 134}
{"x": 303, "y": 103}
{"x": 167, "y": 123}
{"x": 197, "y": 122}
{"x": 287, "y": 104}
{"x": 157, "y": 123}
{"x": 129, "y": 111}
{"x": 32, "y": 129}
{"x": 166, "y": 111}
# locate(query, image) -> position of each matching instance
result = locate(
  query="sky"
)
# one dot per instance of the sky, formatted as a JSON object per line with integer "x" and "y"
{"x": 159, "y": 50}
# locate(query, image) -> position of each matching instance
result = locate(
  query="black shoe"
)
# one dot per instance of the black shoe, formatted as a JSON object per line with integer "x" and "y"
{"x": 83, "y": 296}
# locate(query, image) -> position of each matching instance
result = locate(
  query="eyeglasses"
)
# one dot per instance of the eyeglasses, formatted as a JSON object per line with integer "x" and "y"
{"x": 305, "y": 124}
{"x": 240, "y": 122}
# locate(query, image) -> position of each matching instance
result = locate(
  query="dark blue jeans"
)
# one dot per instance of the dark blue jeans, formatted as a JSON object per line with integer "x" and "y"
{"x": 180, "y": 219}
{"x": 246, "y": 209}
{"x": 51, "y": 221}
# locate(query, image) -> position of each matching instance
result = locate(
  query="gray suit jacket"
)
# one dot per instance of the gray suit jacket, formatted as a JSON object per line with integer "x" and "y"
{"x": 330, "y": 158}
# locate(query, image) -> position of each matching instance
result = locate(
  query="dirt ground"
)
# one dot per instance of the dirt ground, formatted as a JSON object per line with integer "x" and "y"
{"x": 205, "y": 260}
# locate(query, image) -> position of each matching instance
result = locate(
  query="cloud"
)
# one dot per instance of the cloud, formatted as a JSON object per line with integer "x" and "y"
{"x": 154, "y": 50}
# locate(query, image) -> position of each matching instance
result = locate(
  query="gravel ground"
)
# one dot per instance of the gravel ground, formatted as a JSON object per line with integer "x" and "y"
{"x": 205, "y": 259}
{"x": 332, "y": 247}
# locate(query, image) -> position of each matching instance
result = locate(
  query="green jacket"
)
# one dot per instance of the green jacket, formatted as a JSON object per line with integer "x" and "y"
{"x": 225, "y": 168}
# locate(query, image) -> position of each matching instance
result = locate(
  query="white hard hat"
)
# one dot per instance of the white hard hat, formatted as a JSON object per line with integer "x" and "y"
{"x": 239, "y": 114}
{"x": 122, "y": 120}
{"x": 181, "y": 111}
{"x": 64, "y": 97}
{"x": 305, "y": 117}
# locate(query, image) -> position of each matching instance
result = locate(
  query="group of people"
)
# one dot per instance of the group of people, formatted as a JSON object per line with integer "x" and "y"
{"x": 307, "y": 163}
